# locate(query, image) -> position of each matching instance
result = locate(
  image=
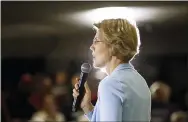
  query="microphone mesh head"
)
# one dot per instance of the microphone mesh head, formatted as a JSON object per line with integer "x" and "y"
{"x": 86, "y": 68}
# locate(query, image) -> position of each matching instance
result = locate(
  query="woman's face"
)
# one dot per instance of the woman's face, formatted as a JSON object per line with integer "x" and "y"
{"x": 100, "y": 50}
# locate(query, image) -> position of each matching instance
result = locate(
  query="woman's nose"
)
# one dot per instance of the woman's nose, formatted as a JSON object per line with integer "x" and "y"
{"x": 92, "y": 47}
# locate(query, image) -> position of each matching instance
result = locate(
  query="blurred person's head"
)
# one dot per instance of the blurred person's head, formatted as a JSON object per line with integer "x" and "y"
{"x": 46, "y": 84}
{"x": 26, "y": 78}
{"x": 160, "y": 91}
{"x": 43, "y": 82}
{"x": 116, "y": 40}
{"x": 179, "y": 116}
{"x": 48, "y": 101}
{"x": 60, "y": 77}
{"x": 47, "y": 81}
{"x": 26, "y": 82}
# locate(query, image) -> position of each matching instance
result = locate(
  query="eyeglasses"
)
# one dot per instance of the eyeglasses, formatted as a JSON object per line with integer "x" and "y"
{"x": 95, "y": 41}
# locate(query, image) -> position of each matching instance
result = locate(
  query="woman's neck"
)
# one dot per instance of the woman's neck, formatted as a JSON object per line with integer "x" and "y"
{"x": 112, "y": 64}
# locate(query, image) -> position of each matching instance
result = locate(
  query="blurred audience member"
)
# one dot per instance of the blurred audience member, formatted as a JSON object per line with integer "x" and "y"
{"x": 49, "y": 111}
{"x": 62, "y": 93}
{"x": 61, "y": 77}
{"x": 17, "y": 99}
{"x": 179, "y": 116}
{"x": 19, "y": 105}
{"x": 43, "y": 84}
{"x": 161, "y": 108}
{"x": 160, "y": 92}
{"x": 26, "y": 83}
{"x": 47, "y": 83}
{"x": 60, "y": 87}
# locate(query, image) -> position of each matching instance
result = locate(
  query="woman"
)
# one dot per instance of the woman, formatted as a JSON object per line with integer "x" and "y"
{"x": 123, "y": 95}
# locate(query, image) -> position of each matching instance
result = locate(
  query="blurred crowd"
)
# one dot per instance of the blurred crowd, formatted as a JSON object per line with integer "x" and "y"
{"x": 162, "y": 109}
{"x": 46, "y": 97}
{"x": 40, "y": 97}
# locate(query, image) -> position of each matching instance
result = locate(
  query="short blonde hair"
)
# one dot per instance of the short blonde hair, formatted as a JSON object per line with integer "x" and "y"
{"x": 122, "y": 37}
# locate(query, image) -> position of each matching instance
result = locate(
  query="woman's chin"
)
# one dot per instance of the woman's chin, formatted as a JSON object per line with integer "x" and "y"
{"x": 95, "y": 64}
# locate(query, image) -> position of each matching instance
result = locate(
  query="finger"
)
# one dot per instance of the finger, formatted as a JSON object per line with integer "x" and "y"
{"x": 74, "y": 95}
{"x": 75, "y": 91}
{"x": 76, "y": 86}
{"x": 77, "y": 79}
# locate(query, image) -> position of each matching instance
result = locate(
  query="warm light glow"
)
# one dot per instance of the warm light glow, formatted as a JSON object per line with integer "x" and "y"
{"x": 139, "y": 14}
{"x": 99, "y": 14}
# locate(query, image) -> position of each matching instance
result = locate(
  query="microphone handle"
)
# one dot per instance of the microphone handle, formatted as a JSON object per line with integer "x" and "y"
{"x": 77, "y": 101}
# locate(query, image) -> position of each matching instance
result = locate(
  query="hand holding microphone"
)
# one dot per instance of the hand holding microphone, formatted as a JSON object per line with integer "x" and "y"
{"x": 87, "y": 96}
{"x": 81, "y": 92}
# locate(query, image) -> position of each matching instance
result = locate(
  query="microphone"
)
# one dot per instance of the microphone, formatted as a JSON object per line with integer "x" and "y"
{"x": 85, "y": 69}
